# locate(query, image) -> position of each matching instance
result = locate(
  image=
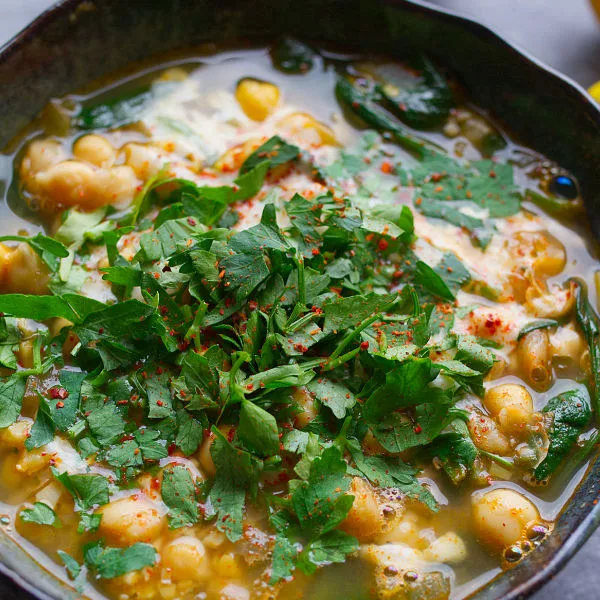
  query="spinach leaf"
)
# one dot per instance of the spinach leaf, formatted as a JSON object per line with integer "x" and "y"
{"x": 572, "y": 413}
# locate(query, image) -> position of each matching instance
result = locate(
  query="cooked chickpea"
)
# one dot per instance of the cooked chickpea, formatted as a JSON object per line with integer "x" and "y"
{"x": 204, "y": 453}
{"x": 96, "y": 150}
{"x": 228, "y": 565}
{"x": 448, "y": 549}
{"x": 258, "y": 99}
{"x": 305, "y": 128}
{"x": 22, "y": 271}
{"x": 307, "y": 404}
{"x": 511, "y": 405}
{"x": 40, "y": 155}
{"x": 185, "y": 558}
{"x": 68, "y": 183}
{"x": 118, "y": 185}
{"x": 129, "y": 520}
{"x": 501, "y": 517}
{"x": 364, "y": 520}
{"x": 486, "y": 435}
{"x": 145, "y": 161}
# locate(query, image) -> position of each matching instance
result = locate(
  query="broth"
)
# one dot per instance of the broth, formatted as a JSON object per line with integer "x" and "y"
{"x": 122, "y": 447}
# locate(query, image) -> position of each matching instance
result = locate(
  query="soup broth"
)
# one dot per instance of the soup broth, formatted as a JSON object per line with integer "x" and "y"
{"x": 287, "y": 323}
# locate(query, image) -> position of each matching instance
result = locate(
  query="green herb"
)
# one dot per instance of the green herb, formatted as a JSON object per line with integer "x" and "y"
{"x": 179, "y": 494}
{"x": 539, "y": 324}
{"x": 293, "y": 56}
{"x": 40, "y": 514}
{"x": 589, "y": 322}
{"x": 109, "y": 563}
{"x": 571, "y": 414}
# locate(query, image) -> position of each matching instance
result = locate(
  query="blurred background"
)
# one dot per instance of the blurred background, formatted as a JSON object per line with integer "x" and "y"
{"x": 564, "y": 34}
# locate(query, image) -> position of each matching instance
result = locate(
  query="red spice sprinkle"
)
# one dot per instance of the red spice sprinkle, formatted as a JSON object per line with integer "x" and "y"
{"x": 387, "y": 167}
{"x": 364, "y": 345}
{"x": 58, "y": 393}
{"x": 60, "y": 404}
{"x": 417, "y": 429}
{"x": 383, "y": 244}
{"x": 315, "y": 252}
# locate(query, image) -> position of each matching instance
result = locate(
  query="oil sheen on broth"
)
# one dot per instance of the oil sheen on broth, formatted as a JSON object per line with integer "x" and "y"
{"x": 335, "y": 342}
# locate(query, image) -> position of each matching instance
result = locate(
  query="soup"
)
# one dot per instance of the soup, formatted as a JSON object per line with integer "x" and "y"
{"x": 288, "y": 323}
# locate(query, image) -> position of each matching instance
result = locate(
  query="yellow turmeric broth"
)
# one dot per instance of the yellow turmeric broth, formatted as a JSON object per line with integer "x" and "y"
{"x": 283, "y": 323}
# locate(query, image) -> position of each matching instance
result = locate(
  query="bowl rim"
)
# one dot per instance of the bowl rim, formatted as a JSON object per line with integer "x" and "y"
{"x": 591, "y": 521}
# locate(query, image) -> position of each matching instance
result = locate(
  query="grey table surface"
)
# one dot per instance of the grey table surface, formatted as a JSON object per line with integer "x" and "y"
{"x": 562, "y": 33}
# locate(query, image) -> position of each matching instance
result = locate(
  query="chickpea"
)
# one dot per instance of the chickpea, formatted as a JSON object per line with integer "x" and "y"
{"x": 118, "y": 185}
{"x": 129, "y": 520}
{"x": 68, "y": 183}
{"x": 448, "y": 549}
{"x": 22, "y": 271}
{"x": 204, "y": 455}
{"x": 96, "y": 150}
{"x": 185, "y": 559}
{"x": 258, "y": 99}
{"x": 145, "y": 161}
{"x": 305, "y": 128}
{"x": 41, "y": 155}
{"x": 501, "y": 517}
{"x": 534, "y": 359}
{"x": 511, "y": 405}
{"x": 227, "y": 565}
{"x": 486, "y": 435}
{"x": 371, "y": 445}
{"x": 364, "y": 520}
{"x": 309, "y": 407}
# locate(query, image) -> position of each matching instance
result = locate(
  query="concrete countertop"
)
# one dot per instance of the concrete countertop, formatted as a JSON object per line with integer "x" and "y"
{"x": 564, "y": 34}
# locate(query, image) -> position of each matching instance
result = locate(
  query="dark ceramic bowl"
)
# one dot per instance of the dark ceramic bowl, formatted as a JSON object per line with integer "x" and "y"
{"x": 81, "y": 40}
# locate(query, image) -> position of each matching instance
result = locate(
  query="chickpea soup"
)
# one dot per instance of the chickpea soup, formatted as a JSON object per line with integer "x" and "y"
{"x": 284, "y": 323}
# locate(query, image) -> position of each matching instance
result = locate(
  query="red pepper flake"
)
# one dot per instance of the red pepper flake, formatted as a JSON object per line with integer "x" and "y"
{"x": 58, "y": 393}
{"x": 315, "y": 252}
{"x": 60, "y": 404}
{"x": 383, "y": 244}
{"x": 387, "y": 167}
{"x": 364, "y": 345}
{"x": 417, "y": 429}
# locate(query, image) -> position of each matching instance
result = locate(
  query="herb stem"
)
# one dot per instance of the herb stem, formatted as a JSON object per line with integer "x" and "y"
{"x": 332, "y": 364}
{"x": 497, "y": 459}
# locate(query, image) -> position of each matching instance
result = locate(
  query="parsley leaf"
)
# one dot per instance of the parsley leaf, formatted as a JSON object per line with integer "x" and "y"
{"x": 113, "y": 562}
{"x": 39, "y": 513}
{"x": 235, "y": 475}
{"x": 179, "y": 494}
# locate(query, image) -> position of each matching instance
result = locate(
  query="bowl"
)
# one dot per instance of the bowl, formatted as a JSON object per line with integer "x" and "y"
{"x": 78, "y": 41}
